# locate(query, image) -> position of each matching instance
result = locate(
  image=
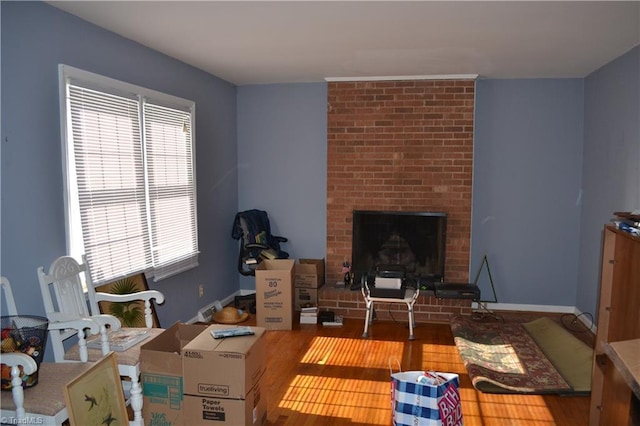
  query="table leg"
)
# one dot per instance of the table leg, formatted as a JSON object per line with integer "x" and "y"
{"x": 367, "y": 318}
{"x": 411, "y": 323}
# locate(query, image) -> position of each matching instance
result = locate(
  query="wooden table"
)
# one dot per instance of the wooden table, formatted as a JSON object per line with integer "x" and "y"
{"x": 625, "y": 355}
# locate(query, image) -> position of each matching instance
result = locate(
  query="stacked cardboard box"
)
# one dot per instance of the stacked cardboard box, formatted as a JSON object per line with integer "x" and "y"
{"x": 222, "y": 378}
{"x": 190, "y": 378}
{"x": 309, "y": 277}
{"x": 274, "y": 294}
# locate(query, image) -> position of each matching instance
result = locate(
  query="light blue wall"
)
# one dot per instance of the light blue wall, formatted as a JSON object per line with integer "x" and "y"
{"x": 518, "y": 122}
{"x": 611, "y": 170}
{"x": 35, "y": 39}
{"x": 526, "y": 188}
{"x": 282, "y": 162}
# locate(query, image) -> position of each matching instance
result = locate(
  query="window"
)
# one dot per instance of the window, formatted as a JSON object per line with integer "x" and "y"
{"x": 130, "y": 177}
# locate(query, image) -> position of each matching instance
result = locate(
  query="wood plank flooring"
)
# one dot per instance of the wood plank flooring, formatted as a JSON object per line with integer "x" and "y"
{"x": 332, "y": 376}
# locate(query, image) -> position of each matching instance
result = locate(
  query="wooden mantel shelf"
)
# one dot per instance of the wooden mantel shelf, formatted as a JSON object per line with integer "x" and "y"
{"x": 625, "y": 355}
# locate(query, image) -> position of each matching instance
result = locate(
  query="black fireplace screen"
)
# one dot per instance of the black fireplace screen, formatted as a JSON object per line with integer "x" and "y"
{"x": 416, "y": 240}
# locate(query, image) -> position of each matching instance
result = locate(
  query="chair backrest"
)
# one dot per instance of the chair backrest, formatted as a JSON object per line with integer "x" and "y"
{"x": 64, "y": 299}
{"x": 62, "y": 289}
{"x": 6, "y": 297}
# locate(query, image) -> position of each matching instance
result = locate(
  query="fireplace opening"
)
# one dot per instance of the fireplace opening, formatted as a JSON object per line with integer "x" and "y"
{"x": 415, "y": 240}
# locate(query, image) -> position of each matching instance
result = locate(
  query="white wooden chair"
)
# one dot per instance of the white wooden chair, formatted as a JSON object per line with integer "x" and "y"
{"x": 43, "y": 403}
{"x": 64, "y": 299}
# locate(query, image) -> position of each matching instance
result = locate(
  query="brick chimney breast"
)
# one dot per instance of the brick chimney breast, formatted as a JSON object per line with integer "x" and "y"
{"x": 403, "y": 145}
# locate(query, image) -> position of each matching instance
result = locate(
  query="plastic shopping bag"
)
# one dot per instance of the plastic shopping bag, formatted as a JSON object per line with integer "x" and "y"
{"x": 425, "y": 398}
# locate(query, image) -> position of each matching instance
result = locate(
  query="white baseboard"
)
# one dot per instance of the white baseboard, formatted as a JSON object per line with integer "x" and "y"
{"x": 192, "y": 320}
{"x": 227, "y": 300}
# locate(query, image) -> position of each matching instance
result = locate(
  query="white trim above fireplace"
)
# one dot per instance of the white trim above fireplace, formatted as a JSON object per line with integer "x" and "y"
{"x": 406, "y": 77}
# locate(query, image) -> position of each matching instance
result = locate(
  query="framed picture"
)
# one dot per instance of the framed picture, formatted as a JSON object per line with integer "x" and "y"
{"x": 130, "y": 314}
{"x": 96, "y": 396}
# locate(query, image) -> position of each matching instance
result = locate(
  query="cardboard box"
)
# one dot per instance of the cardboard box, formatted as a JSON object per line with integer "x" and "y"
{"x": 251, "y": 411}
{"x": 305, "y": 297}
{"x": 274, "y": 294}
{"x": 309, "y": 273}
{"x": 161, "y": 374}
{"x": 226, "y": 368}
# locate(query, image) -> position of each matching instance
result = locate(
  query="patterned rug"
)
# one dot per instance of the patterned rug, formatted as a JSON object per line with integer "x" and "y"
{"x": 504, "y": 358}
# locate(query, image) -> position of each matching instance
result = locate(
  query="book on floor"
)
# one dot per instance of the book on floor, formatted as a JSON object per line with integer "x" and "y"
{"x": 308, "y": 319}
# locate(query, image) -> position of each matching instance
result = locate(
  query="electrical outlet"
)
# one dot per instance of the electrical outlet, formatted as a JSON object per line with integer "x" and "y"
{"x": 201, "y": 290}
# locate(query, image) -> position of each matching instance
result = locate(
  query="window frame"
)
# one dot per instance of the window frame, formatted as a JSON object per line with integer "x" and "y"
{"x": 141, "y": 95}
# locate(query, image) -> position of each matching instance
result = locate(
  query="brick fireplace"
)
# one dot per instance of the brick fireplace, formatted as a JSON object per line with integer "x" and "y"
{"x": 403, "y": 145}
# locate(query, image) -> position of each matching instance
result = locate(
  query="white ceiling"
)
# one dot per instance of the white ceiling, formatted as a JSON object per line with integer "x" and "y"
{"x": 257, "y": 42}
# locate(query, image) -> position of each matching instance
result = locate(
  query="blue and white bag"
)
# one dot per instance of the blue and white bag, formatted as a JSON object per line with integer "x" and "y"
{"x": 425, "y": 398}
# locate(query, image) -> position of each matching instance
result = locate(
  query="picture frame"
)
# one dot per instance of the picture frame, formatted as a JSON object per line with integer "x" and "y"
{"x": 130, "y": 314}
{"x": 96, "y": 398}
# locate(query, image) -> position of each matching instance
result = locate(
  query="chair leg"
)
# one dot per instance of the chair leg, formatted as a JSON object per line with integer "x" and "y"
{"x": 136, "y": 401}
{"x": 367, "y": 319}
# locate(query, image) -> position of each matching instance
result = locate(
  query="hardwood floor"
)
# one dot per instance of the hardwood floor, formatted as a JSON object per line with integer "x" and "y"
{"x": 332, "y": 376}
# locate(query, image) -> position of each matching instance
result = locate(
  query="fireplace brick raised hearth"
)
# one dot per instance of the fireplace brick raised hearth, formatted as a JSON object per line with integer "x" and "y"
{"x": 404, "y": 145}
{"x": 351, "y": 304}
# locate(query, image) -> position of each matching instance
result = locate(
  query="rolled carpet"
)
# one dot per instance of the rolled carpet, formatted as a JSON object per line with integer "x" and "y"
{"x": 571, "y": 356}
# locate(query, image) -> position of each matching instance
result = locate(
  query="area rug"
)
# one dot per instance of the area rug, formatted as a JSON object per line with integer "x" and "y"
{"x": 538, "y": 357}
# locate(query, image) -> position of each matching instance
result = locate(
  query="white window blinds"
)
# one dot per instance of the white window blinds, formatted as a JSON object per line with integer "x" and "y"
{"x": 172, "y": 201}
{"x": 130, "y": 177}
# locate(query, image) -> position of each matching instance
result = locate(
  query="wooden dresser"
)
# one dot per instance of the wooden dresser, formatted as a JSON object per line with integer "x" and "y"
{"x": 612, "y": 400}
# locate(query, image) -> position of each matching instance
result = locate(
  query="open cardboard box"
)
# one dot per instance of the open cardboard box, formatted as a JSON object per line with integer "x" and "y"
{"x": 161, "y": 374}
